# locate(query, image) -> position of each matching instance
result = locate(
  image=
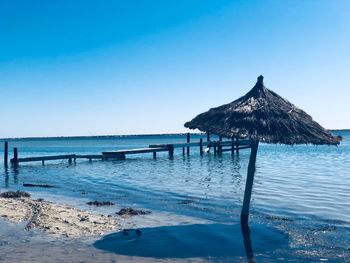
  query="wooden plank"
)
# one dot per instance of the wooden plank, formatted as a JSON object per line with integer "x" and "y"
{"x": 89, "y": 156}
{"x": 136, "y": 151}
{"x": 240, "y": 148}
{"x": 196, "y": 144}
{"x": 177, "y": 145}
{"x": 46, "y": 158}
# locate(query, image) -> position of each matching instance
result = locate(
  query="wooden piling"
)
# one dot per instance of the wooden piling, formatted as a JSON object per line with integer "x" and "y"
{"x": 6, "y": 153}
{"x": 201, "y": 146}
{"x": 188, "y": 141}
{"x": 237, "y": 146}
{"x": 249, "y": 182}
{"x": 214, "y": 148}
{"x": 220, "y": 146}
{"x": 183, "y": 151}
{"x": 69, "y": 160}
{"x": 232, "y": 146}
{"x": 15, "y": 156}
{"x": 154, "y": 155}
{"x": 171, "y": 150}
{"x": 208, "y": 136}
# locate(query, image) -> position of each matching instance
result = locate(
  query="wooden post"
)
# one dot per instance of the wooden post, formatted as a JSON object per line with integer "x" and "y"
{"x": 183, "y": 151}
{"x": 249, "y": 182}
{"x": 237, "y": 145}
{"x": 70, "y": 160}
{"x": 188, "y": 141}
{"x": 214, "y": 148}
{"x": 233, "y": 146}
{"x": 247, "y": 243}
{"x": 171, "y": 150}
{"x": 15, "y": 156}
{"x": 154, "y": 155}
{"x": 219, "y": 145}
{"x": 42, "y": 162}
{"x": 208, "y": 136}
{"x": 201, "y": 146}
{"x": 6, "y": 153}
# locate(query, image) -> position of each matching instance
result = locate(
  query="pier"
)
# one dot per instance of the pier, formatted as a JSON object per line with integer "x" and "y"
{"x": 218, "y": 147}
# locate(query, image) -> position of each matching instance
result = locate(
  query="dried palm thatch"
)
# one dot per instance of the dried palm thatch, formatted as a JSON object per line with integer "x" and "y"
{"x": 262, "y": 115}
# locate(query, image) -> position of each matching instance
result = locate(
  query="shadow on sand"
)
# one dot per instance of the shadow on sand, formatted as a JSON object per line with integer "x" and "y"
{"x": 199, "y": 240}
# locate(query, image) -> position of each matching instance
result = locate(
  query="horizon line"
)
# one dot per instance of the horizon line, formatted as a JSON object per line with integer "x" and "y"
{"x": 115, "y": 135}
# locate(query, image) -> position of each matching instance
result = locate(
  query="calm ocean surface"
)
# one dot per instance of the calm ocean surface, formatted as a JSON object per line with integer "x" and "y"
{"x": 307, "y": 185}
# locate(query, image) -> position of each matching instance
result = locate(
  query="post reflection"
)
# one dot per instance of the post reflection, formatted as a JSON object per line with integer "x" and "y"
{"x": 6, "y": 176}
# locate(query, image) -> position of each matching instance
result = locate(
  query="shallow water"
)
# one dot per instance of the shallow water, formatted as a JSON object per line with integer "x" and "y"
{"x": 302, "y": 192}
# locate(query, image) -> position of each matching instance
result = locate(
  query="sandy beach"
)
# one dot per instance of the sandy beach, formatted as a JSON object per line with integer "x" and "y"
{"x": 59, "y": 220}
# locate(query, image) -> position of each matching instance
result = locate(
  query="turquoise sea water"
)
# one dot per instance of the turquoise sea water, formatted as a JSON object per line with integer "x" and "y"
{"x": 301, "y": 191}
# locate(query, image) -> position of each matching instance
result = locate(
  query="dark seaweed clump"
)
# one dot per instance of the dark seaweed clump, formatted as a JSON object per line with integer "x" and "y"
{"x": 100, "y": 203}
{"x": 12, "y": 194}
{"x": 132, "y": 212}
{"x": 38, "y": 185}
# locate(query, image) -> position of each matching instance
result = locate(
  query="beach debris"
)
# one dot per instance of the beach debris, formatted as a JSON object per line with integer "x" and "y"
{"x": 127, "y": 232}
{"x": 186, "y": 202}
{"x": 138, "y": 232}
{"x": 12, "y": 194}
{"x": 38, "y": 185}
{"x": 271, "y": 217}
{"x": 128, "y": 211}
{"x": 100, "y": 203}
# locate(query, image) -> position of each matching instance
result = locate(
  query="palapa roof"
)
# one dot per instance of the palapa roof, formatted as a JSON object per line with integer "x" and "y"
{"x": 265, "y": 116}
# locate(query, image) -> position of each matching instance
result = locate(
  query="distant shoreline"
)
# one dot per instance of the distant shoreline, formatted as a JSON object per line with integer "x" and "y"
{"x": 116, "y": 136}
{"x": 96, "y": 136}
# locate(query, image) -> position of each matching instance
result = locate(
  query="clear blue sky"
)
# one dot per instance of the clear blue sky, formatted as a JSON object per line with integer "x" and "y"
{"x": 121, "y": 67}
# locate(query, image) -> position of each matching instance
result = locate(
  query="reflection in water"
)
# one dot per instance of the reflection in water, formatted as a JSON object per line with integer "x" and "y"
{"x": 6, "y": 176}
{"x": 15, "y": 172}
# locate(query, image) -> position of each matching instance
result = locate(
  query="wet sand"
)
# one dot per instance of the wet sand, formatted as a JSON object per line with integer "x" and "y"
{"x": 55, "y": 219}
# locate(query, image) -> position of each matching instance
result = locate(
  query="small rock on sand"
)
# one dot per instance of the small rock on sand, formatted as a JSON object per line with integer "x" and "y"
{"x": 12, "y": 194}
{"x": 100, "y": 203}
{"x": 132, "y": 212}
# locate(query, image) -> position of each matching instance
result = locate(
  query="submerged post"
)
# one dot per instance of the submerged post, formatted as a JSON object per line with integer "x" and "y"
{"x": 15, "y": 156}
{"x": 6, "y": 153}
{"x": 249, "y": 182}
{"x": 201, "y": 146}
{"x": 188, "y": 141}
{"x": 219, "y": 145}
{"x": 171, "y": 150}
{"x": 154, "y": 155}
{"x": 232, "y": 146}
{"x": 208, "y": 136}
{"x": 237, "y": 145}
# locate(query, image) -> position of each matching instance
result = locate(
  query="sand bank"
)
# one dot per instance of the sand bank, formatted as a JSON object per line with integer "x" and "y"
{"x": 55, "y": 219}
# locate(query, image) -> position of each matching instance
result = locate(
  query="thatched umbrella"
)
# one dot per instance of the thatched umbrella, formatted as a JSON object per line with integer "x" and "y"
{"x": 261, "y": 116}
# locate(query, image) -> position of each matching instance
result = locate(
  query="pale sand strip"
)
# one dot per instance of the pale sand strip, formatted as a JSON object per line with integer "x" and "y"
{"x": 55, "y": 219}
